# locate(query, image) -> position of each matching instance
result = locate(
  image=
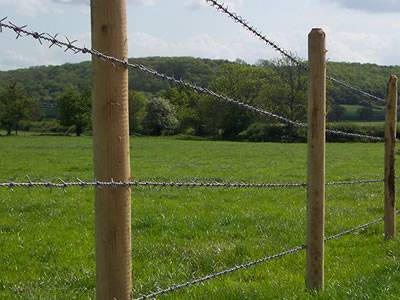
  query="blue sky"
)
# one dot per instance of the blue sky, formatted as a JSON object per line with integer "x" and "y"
{"x": 357, "y": 31}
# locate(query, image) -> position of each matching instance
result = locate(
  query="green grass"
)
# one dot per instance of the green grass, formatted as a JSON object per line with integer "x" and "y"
{"x": 352, "y": 112}
{"x": 47, "y": 236}
{"x": 367, "y": 124}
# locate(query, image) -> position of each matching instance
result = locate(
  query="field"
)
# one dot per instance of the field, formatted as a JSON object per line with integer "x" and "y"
{"x": 47, "y": 236}
{"x": 352, "y": 112}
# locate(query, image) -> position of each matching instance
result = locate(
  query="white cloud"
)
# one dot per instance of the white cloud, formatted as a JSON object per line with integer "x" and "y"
{"x": 198, "y": 4}
{"x": 203, "y": 45}
{"x": 364, "y": 47}
{"x": 78, "y": 2}
{"x": 30, "y": 7}
{"x": 374, "y": 6}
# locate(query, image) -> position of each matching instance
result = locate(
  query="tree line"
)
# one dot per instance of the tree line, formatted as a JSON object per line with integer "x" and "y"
{"x": 57, "y": 99}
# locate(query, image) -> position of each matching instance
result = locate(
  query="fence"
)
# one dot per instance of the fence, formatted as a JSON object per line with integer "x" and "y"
{"x": 111, "y": 149}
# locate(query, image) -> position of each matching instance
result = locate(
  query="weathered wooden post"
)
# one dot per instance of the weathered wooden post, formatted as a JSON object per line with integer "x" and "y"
{"x": 316, "y": 159}
{"x": 390, "y": 157}
{"x": 111, "y": 152}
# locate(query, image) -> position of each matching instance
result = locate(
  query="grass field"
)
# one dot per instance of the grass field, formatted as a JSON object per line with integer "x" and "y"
{"x": 352, "y": 112}
{"x": 47, "y": 236}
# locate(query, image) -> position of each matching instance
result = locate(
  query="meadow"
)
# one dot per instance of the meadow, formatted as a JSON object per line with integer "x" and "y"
{"x": 47, "y": 235}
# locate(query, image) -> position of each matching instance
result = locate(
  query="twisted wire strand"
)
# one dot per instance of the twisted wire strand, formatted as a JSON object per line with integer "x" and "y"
{"x": 116, "y": 184}
{"x": 242, "y": 21}
{"x": 355, "y": 135}
{"x": 69, "y": 45}
{"x": 239, "y": 19}
{"x": 356, "y": 89}
{"x": 253, "y": 263}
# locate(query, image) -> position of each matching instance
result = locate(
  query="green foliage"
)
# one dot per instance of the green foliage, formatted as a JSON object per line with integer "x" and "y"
{"x": 15, "y": 106}
{"x": 276, "y": 86}
{"x": 160, "y": 117}
{"x": 74, "y": 110}
{"x": 369, "y": 77}
{"x": 336, "y": 112}
{"x": 137, "y": 111}
{"x": 289, "y": 92}
{"x": 260, "y": 132}
{"x": 366, "y": 113}
{"x": 352, "y": 112}
{"x": 43, "y": 126}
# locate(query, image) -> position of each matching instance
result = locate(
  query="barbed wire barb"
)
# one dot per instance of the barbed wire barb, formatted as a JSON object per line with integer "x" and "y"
{"x": 250, "y": 264}
{"x": 257, "y": 33}
{"x": 69, "y": 45}
{"x": 60, "y": 183}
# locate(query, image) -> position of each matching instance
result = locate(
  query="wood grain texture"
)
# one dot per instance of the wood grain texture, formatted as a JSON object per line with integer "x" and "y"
{"x": 316, "y": 160}
{"x": 111, "y": 151}
{"x": 390, "y": 158}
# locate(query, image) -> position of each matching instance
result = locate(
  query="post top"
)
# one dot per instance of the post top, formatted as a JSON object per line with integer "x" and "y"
{"x": 317, "y": 31}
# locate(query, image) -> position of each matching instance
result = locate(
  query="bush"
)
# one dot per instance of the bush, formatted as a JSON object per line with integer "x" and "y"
{"x": 160, "y": 117}
{"x": 367, "y": 128}
{"x": 44, "y": 126}
{"x": 260, "y": 132}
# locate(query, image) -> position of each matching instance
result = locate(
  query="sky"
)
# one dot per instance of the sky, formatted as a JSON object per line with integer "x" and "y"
{"x": 363, "y": 31}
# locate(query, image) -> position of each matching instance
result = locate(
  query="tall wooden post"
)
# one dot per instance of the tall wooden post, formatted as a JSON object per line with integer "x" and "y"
{"x": 390, "y": 145}
{"x": 316, "y": 159}
{"x": 111, "y": 152}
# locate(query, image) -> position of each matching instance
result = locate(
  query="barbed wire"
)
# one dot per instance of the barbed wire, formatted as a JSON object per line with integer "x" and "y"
{"x": 356, "y": 89}
{"x": 239, "y": 19}
{"x": 250, "y": 264}
{"x": 242, "y": 21}
{"x": 355, "y": 135}
{"x": 69, "y": 45}
{"x": 61, "y": 184}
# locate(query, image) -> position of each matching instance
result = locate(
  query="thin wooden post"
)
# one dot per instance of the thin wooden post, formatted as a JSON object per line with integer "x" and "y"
{"x": 316, "y": 159}
{"x": 111, "y": 152}
{"x": 390, "y": 145}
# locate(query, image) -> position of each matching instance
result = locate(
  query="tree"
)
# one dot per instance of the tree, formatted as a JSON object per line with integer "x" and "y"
{"x": 160, "y": 117}
{"x": 15, "y": 106}
{"x": 137, "y": 111}
{"x": 290, "y": 91}
{"x": 74, "y": 109}
{"x": 336, "y": 112}
{"x": 366, "y": 113}
{"x": 241, "y": 82}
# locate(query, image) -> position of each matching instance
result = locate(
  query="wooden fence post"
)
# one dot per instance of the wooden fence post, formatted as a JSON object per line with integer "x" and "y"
{"x": 390, "y": 145}
{"x": 111, "y": 152}
{"x": 316, "y": 159}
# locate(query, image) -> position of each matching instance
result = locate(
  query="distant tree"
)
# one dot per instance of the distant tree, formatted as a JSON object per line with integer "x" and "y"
{"x": 74, "y": 109}
{"x": 239, "y": 81}
{"x": 366, "y": 113}
{"x": 160, "y": 117}
{"x": 137, "y": 111}
{"x": 290, "y": 91}
{"x": 287, "y": 92}
{"x": 15, "y": 106}
{"x": 336, "y": 112}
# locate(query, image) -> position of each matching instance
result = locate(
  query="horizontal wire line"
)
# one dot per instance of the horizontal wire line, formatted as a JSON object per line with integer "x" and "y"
{"x": 115, "y": 184}
{"x": 242, "y": 21}
{"x": 247, "y": 265}
{"x": 69, "y": 45}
